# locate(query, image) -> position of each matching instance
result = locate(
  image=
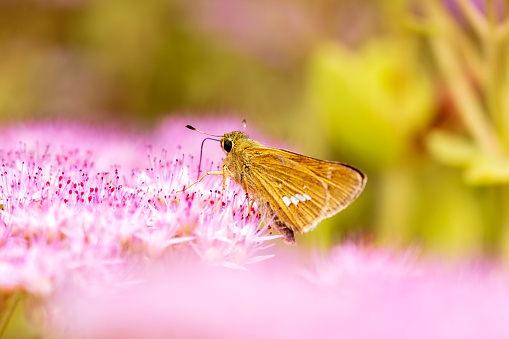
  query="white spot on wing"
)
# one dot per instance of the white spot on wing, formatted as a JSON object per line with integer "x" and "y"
{"x": 301, "y": 197}
{"x": 287, "y": 201}
{"x": 307, "y": 196}
{"x": 294, "y": 200}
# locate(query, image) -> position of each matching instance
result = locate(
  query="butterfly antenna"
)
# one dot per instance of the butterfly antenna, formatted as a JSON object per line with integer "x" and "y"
{"x": 201, "y": 153}
{"x": 201, "y": 148}
{"x": 197, "y": 130}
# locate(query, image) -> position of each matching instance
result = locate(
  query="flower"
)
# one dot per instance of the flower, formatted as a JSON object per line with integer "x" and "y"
{"x": 83, "y": 205}
{"x": 353, "y": 292}
{"x": 94, "y": 233}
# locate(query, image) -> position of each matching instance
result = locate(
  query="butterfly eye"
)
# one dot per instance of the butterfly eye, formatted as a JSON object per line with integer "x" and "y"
{"x": 228, "y": 146}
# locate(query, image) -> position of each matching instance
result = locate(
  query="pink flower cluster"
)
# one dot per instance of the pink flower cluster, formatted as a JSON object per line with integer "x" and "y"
{"x": 83, "y": 205}
{"x": 350, "y": 293}
{"x": 92, "y": 229}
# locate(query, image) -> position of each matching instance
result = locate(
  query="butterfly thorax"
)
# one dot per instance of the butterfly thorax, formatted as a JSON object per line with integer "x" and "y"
{"x": 236, "y": 146}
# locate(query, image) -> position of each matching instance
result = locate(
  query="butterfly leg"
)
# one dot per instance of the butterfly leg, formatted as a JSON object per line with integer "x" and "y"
{"x": 201, "y": 178}
{"x": 223, "y": 172}
{"x": 249, "y": 201}
{"x": 249, "y": 205}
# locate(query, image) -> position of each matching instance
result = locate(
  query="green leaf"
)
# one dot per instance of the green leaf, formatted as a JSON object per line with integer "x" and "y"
{"x": 371, "y": 101}
{"x": 487, "y": 170}
{"x": 450, "y": 149}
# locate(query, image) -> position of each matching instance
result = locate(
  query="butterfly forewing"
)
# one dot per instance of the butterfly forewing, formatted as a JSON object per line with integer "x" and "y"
{"x": 298, "y": 196}
{"x": 344, "y": 184}
{"x": 334, "y": 184}
{"x": 343, "y": 181}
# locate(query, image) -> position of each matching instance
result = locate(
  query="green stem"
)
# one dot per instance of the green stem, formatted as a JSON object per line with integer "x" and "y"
{"x": 492, "y": 50}
{"x": 8, "y": 306}
{"x": 464, "y": 96}
{"x": 501, "y": 37}
{"x": 475, "y": 18}
{"x": 465, "y": 47}
{"x": 492, "y": 13}
{"x": 465, "y": 99}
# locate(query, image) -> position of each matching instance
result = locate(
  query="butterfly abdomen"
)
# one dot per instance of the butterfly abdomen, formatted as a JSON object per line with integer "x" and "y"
{"x": 285, "y": 231}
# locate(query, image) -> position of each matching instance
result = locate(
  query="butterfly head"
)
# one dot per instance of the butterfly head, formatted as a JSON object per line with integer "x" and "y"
{"x": 232, "y": 142}
{"x": 236, "y": 141}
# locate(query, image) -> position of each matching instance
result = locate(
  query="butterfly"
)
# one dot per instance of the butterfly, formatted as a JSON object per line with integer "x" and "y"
{"x": 294, "y": 190}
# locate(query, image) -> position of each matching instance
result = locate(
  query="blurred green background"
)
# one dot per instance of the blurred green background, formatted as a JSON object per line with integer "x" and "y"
{"x": 413, "y": 93}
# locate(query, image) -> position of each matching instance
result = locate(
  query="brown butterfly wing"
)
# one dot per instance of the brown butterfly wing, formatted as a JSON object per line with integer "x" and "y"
{"x": 278, "y": 173}
{"x": 344, "y": 182}
{"x": 292, "y": 191}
